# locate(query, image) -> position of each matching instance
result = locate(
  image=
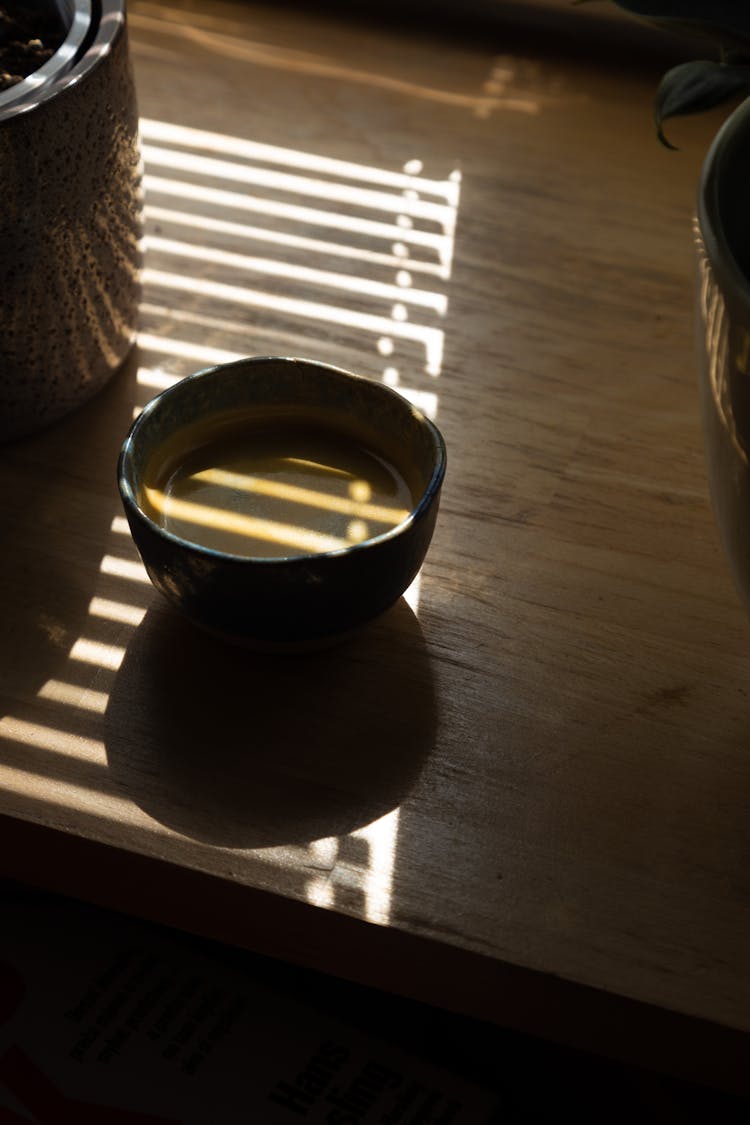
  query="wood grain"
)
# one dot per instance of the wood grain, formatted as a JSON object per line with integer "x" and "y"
{"x": 530, "y": 799}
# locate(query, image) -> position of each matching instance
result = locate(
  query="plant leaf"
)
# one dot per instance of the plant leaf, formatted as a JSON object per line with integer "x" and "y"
{"x": 694, "y": 86}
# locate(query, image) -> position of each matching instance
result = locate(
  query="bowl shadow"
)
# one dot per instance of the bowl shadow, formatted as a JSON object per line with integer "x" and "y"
{"x": 246, "y": 750}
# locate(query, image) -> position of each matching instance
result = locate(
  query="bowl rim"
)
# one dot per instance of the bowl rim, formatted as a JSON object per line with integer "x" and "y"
{"x": 128, "y": 493}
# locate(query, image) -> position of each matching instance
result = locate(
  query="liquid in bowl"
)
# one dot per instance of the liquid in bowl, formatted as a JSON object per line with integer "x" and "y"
{"x": 273, "y": 490}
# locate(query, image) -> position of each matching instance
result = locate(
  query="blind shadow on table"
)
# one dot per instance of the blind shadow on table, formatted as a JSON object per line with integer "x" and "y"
{"x": 53, "y": 537}
{"x": 342, "y": 260}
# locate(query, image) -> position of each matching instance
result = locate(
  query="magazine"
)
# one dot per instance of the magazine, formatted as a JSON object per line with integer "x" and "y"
{"x": 108, "y": 1021}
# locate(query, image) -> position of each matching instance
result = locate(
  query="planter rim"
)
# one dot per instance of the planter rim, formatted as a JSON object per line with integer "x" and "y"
{"x": 107, "y": 17}
{"x": 732, "y": 280}
{"x": 80, "y": 15}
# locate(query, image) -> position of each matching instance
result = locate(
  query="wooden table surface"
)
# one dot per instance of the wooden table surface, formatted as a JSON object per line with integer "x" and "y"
{"x": 525, "y": 792}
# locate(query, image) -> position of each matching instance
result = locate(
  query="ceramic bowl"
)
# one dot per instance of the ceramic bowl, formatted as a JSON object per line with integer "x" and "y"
{"x": 294, "y": 599}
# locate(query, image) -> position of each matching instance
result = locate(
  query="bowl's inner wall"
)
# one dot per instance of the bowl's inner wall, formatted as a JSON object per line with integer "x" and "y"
{"x": 259, "y": 396}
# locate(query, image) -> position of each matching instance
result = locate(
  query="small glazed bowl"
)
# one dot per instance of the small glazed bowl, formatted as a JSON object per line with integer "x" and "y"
{"x": 292, "y": 601}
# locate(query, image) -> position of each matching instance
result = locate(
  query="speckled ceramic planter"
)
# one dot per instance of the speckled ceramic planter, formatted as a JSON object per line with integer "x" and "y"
{"x": 70, "y": 226}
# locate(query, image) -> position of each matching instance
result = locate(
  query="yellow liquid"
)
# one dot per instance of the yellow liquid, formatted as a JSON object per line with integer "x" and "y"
{"x": 294, "y": 491}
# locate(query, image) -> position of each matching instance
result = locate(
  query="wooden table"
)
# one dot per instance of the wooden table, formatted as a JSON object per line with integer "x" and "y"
{"x": 524, "y": 794}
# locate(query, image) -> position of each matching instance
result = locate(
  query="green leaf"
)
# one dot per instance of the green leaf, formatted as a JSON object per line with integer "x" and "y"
{"x": 694, "y": 86}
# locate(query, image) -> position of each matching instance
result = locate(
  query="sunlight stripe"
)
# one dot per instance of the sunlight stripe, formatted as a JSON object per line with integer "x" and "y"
{"x": 302, "y": 538}
{"x": 270, "y": 267}
{"x": 49, "y": 738}
{"x": 430, "y": 338}
{"x": 116, "y": 611}
{"x": 155, "y": 379}
{"x": 123, "y": 568}
{"x": 319, "y": 890}
{"x": 152, "y": 130}
{"x": 347, "y": 194}
{"x": 283, "y": 238}
{"x": 425, "y": 401}
{"x": 411, "y": 594}
{"x": 36, "y": 787}
{"x": 377, "y": 875}
{"x": 439, "y": 243}
{"x": 94, "y": 652}
{"x": 167, "y": 345}
{"x": 309, "y": 497}
{"x": 73, "y": 696}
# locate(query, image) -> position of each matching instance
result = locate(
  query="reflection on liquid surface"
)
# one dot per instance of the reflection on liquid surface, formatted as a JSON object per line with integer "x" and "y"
{"x": 278, "y": 494}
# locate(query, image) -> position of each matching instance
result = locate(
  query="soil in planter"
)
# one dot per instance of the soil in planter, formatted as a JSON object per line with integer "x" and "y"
{"x": 27, "y": 40}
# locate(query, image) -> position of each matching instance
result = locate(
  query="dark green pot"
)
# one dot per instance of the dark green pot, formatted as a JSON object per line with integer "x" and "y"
{"x": 723, "y": 333}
